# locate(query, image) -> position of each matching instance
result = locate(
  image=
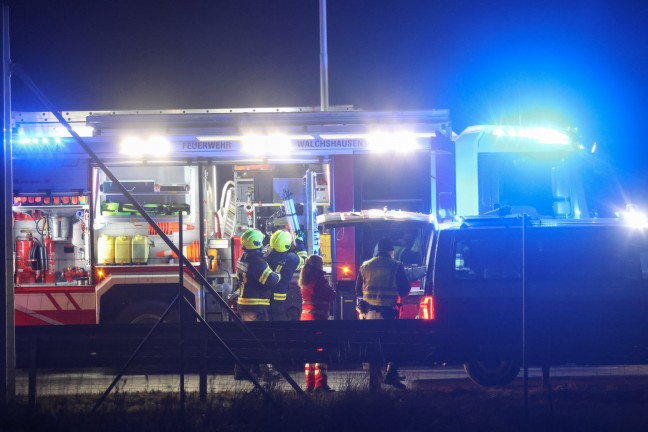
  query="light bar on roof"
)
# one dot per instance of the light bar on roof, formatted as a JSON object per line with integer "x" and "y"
{"x": 81, "y": 130}
{"x": 342, "y": 136}
{"x": 151, "y": 146}
{"x": 251, "y": 136}
{"x": 220, "y": 138}
{"x": 366, "y": 135}
{"x": 51, "y": 135}
{"x": 23, "y": 140}
{"x": 403, "y": 142}
{"x": 541, "y": 135}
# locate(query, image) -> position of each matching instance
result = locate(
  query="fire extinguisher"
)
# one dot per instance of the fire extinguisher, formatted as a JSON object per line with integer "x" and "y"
{"x": 70, "y": 274}
{"x": 24, "y": 272}
{"x": 50, "y": 250}
{"x": 22, "y": 252}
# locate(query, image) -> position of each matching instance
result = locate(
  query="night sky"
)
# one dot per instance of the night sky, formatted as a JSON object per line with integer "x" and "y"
{"x": 565, "y": 63}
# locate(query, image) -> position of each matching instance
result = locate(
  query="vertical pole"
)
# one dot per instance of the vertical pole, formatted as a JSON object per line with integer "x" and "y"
{"x": 202, "y": 383}
{"x": 324, "y": 97}
{"x": 180, "y": 320}
{"x": 525, "y": 367}
{"x": 434, "y": 197}
{"x": 310, "y": 213}
{"x": 202, "y": 215}
{"x": 7, "y": 333}
{"x": 33, "y": 365}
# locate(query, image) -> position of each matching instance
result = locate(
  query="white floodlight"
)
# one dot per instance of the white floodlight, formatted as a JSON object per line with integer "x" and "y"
{"x": 635, "y": 218}
{"x": 152, "y": 146}
{"x": 220, "y": 138}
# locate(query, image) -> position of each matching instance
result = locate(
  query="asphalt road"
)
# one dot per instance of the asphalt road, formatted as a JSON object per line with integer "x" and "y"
{"x": 96, "y": 382}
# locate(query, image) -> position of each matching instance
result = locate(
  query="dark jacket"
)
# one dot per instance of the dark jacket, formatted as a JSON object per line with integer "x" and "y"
{"x": 286, "y": 264}
{"x": 256, "y": 278}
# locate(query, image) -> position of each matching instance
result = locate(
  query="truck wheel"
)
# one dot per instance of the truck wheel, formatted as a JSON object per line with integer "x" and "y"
{"x": 492, "y": 372}
{"x": 146, "y": 312}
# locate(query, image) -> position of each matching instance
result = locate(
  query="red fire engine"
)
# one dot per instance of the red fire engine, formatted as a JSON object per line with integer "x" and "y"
{"x": 85, "y": 255}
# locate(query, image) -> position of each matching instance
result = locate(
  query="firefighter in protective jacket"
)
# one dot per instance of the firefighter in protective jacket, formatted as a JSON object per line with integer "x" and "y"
{"x": 380, "y": 281}
{"x": 283, "y": 260}
{"x": 256, "y": 278}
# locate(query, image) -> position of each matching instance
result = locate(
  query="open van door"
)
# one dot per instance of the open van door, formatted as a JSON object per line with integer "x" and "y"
{"x": 411, "y": 233}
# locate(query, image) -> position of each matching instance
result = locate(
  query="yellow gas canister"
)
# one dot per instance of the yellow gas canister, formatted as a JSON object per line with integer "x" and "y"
{"x": 325, "y": 248}
{"x": 140, "y": 249}
{"x": 122, "y": 249}
{"x": 106, "y": 250}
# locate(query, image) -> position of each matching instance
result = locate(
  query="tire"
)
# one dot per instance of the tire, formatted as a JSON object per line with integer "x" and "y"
{"x": 492, "y": 372}
{"x": 145, "y": 312}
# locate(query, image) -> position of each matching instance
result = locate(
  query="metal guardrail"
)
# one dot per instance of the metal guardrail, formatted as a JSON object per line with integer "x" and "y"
{"x": 338, "y": 343}
{"x": 293, "y": 343}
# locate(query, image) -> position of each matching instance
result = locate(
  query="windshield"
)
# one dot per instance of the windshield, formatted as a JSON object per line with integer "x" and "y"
{"x": 551, "y": 185}
{"x": 514, "y": 179}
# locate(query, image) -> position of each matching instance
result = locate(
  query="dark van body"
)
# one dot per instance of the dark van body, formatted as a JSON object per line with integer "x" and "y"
{"x": 565, "y": 291}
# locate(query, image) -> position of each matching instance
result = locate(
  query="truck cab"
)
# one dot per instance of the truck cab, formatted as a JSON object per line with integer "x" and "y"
{"x": 540, "y": 171}
{"x": 571, "y": 291}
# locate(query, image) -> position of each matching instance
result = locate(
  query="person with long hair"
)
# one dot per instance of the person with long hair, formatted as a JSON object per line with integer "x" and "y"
{"x": 317, "y": 296}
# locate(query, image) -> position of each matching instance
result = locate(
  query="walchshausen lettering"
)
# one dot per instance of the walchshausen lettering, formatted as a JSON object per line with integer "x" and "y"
{"x": 206, "y": 145}
{"x": 352, "y": 143}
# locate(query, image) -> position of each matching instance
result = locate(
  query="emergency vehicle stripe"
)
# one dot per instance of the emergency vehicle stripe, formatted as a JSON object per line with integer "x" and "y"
{"x": 65, "y": 301}
{"x": 71, "y": 299}
{"x": 265, "y": 275}
{"x": 253, "y": 302}
{"x": 41, "y": 317}
{"x": 54, "y": 302}
{"x": 279, "y": 296}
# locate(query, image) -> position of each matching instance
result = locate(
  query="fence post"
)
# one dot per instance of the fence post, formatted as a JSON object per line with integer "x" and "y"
{"x": 202, "y": 383}
{"x": 33, "y": 355}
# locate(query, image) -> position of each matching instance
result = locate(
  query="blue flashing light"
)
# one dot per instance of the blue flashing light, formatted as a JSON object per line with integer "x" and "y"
{"x": 541, "y": 135}
{"x": 38, "y": 141}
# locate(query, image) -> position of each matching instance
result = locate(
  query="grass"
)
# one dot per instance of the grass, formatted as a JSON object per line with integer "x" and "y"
{"x": 575, "y": 404}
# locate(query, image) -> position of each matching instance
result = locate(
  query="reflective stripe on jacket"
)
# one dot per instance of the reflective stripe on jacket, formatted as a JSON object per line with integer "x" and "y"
{"x": 257, "y": 279}
{"x": 286, "y": 264}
